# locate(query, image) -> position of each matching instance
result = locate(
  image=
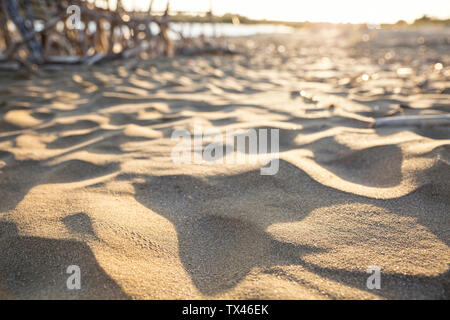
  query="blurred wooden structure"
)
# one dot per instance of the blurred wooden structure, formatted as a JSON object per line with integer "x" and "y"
{"x": 40, "y": 32}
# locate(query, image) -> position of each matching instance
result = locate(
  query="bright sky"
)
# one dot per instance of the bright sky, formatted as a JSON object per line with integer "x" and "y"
{"x": 356, "y": 11}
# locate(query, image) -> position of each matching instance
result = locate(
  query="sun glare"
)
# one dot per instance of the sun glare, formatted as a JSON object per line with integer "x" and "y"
{"x": 353, "y": 11}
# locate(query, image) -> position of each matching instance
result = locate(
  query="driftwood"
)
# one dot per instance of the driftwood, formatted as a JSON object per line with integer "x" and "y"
{"x": 94, "y": 59}
{"x": 64, "y": 60}
{"x": 104, "y": 34}
{"x": 32, "y": 35}
{"x": 11, "y": 9}
{"x": 208, "y": 51}
{"x": 9, "y": 65}
{"x": 422, "y": 120}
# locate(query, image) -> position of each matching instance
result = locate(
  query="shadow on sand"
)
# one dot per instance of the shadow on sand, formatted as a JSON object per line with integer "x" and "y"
{"x": 222, "y": 230}
{"x": 35, "y": 268}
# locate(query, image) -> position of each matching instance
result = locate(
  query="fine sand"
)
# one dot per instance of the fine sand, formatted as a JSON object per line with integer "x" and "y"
{"x": 87, "y": 179}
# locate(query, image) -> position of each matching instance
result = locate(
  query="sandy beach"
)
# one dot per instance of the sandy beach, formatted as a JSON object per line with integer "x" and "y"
{"x": 87, "y": 178}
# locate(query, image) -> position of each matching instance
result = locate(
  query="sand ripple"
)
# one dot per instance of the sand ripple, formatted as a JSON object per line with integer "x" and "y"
{"x": 86, "y": 176}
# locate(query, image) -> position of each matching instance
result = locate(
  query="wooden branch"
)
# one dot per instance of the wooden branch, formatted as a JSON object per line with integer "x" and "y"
{"x": 208, "y": 51}
{"x": 64, "y": 60}
{"x": 421, "y": 120}
{"x": 33, "y": 34}
{"x": 94, "y": 59}
{"x": 9, "y": 65}
{"x": 52, "y": 47}
{"x": 11, "y": 7}
{"x": 5, "y": 32}
{"x": 15, "y": 65}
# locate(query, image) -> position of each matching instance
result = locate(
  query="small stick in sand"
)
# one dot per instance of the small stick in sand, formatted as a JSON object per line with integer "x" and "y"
{"x": 421, "y": 120}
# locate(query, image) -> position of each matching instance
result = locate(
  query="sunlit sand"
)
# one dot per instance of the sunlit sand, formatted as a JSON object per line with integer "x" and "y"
{"x": 87, "y": 179}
